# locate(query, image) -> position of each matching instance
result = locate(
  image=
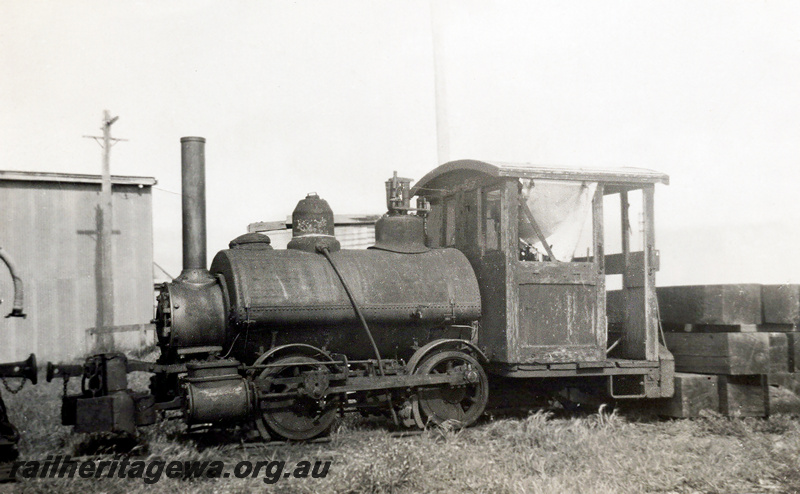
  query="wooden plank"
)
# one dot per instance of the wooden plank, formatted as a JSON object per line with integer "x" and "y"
{"x": 778, "y": 353}
{"x": 598, "y": 252}
{"x": 744, "y": 396}
{"x": 650, "y": 298}
{"x": 710, "y": 328}
{"x": 781, "y": 304}
{"x": 710, "y": 304}
{"x": 777, "y": 328}
{"x": 615, "y": 307}
{"x": 793, "y": 341}
{"x": 509, "y": 225}
{"x": 693, "y": 394}
{"x": 720, "y": 353}
{"x": 634, "y": 341}
{"x": 615, "y": 263}
{"x": 729, "y": 328}
{"x": 493, "y": 335}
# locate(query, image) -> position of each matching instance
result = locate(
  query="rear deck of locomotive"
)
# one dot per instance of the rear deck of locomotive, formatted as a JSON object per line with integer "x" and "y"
{"x": 543, "y": 286}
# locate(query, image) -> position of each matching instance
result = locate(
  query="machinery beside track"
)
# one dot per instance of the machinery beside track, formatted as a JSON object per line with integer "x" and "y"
{"x": 26, "y": 370}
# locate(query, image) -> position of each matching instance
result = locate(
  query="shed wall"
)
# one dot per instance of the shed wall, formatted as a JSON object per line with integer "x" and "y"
{"x": 50, "y": 230}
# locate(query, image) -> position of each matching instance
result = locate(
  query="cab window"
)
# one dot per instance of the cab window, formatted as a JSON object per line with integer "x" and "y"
{"x": 491, "y": 218}
{"x": 555, "y": 220}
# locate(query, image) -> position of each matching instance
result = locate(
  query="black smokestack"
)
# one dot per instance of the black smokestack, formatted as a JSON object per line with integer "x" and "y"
{"x": 193, "y": 188}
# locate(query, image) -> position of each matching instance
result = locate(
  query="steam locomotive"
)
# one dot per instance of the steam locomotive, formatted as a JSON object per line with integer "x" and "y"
{"x": 487, "y": 276}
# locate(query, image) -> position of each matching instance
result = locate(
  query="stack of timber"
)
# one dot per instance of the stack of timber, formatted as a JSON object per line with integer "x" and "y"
{"x": 781, "y": 311}
{"x": 730, "y": 342}
{"x": 733, "y": 366}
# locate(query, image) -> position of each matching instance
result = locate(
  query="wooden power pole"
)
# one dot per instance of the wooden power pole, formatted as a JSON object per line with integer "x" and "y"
{"x": 104, "y": 233}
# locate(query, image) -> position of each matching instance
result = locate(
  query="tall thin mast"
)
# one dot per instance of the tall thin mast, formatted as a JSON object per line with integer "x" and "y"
{"x": 105, "y": 283}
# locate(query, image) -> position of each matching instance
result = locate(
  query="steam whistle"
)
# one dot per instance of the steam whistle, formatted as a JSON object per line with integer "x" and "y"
{"x": 398, "y": 197}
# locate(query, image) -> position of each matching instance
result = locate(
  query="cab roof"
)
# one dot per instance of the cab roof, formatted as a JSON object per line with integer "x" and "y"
{"x": 451, "y": 176}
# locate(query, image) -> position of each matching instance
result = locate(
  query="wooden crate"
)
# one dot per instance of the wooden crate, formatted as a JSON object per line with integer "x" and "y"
{"x": 781, "y": 304}
{"x": 693, "y": 394}
{"x": 744, "y": 396}
{"x": 793, "y": 351}
{"x": 710, "y": 304}
{"x": 720, "y": 353}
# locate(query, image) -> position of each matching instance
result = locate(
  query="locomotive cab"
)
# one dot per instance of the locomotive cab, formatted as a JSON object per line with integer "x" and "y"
{"x": 536, "y": 238}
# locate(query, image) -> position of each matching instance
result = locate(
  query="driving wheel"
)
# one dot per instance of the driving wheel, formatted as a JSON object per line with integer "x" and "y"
{"x": 462, "y": 404}
{"x": 294, "y": 417}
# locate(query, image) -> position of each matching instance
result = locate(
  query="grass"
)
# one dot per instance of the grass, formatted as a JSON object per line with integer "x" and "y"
{"x": 538, "y": 453}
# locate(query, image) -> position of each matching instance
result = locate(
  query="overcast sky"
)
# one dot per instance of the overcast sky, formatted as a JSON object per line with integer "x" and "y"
{"x": 332, "y": 96}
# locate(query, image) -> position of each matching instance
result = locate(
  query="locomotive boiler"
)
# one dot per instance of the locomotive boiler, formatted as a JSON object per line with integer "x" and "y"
{"x": 501, "y": 269}
{"x": 286, "y": 338}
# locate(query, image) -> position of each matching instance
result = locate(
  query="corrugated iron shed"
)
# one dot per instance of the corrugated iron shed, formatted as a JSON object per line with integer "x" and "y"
{"x": 49, "y": 224}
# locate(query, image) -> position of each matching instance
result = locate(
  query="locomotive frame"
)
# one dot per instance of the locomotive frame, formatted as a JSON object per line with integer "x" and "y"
{"x": 499, "y": 306}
